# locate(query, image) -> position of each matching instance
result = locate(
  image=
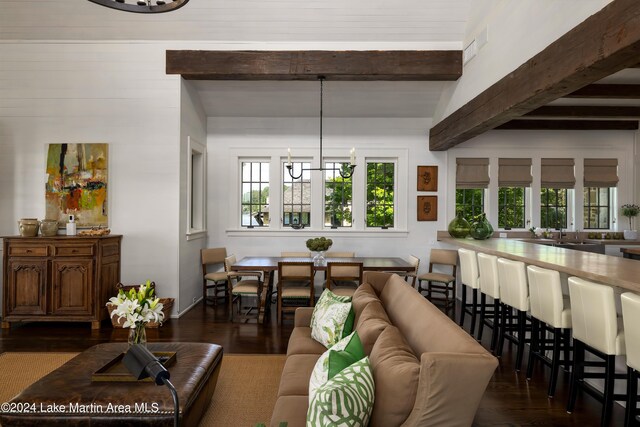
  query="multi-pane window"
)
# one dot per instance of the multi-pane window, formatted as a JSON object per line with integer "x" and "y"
{"x": 470, "y": 201}
{"x": 597, "y": 205}
{"x": 255, "y": 194}
{"x": 380, "y": 194}
{"x": 553, "y": 208}
{"x": 337, "y": 196}
{"x": 296, "y": 195}
{"x": 511, "y": 207}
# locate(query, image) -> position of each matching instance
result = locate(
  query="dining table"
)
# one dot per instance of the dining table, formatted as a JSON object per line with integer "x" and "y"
{"x": 268, "y": 265}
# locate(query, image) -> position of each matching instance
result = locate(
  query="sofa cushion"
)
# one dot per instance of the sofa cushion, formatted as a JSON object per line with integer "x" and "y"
{"x": 332, "y": 319}
{"x": 346, "y": 399}
{"x": 290, "y": 409}
{"x": 301, "y": 342}
{"x": 373, "y": 320}
{"x": 295, "y": 375}
{"x": 396, "y": 371}
{"x": 361, "y": 297}
{"x": 344, "y": 353}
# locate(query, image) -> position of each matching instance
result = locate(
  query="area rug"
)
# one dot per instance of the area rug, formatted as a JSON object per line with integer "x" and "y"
{"x": 245, "y": 394}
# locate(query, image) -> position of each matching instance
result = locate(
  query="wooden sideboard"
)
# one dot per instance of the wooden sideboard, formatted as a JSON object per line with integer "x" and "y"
{"x": 61, "y": 278}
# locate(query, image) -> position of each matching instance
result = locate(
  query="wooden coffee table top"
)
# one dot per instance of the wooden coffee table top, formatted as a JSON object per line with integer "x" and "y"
{"x": 69, "y": 394}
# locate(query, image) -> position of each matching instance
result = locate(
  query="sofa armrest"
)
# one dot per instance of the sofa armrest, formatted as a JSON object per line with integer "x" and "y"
{"x": 450, "y": 388}
{"x": 303, "y": 316}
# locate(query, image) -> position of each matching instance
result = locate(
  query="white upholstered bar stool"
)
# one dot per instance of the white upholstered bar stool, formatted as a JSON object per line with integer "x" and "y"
{"x": 550, "y": 312}
{"x": 596, "y": 329}
{"x": 514, "y": 295}
{"x": 469, "y": 279}
{"x": 631, "y": 320}
{"x": 489, "y": 286}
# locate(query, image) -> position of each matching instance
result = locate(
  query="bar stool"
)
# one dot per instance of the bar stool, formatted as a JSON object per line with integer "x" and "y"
{"x": 631, "y": 320}
{"x": 514, "y": 295}
{"x": 596, "y": 329}
{"x": 489, "y": 286}
{"x": 469, "y": 278}
{"x": 550, "y": 312}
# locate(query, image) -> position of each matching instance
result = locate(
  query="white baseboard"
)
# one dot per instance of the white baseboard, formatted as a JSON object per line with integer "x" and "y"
{"x": 180, "y": 314}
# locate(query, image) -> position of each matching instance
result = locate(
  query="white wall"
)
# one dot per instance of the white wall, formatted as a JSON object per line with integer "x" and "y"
{"x": 405, "y": 137}
{"x": 518, "y": 30}
{"x": 113, "y": 93}
{"x": 193, "y": 125}
{"x": 549, "y": 144}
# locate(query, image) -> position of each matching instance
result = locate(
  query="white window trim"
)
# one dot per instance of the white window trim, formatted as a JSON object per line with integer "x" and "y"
{"x": 195, "y": 147}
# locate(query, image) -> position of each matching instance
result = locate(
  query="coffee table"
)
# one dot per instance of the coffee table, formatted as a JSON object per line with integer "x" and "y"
{"x": 68, "y": 397}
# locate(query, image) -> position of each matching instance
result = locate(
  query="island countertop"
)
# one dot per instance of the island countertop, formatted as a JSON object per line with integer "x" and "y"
{"x": 615, "y": 271}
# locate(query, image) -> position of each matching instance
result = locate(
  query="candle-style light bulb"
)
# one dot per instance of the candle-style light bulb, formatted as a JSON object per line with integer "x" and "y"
{"x": 289, "y": 157}
{"x": 353, "y": 156}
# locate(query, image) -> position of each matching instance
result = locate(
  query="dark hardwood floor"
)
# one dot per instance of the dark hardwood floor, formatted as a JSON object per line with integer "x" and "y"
{"x": 510, "y": 400}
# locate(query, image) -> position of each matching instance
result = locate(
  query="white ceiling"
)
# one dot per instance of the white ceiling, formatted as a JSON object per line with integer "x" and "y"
{"x": 302, "y": 98}
{"x": 241, "y": 21}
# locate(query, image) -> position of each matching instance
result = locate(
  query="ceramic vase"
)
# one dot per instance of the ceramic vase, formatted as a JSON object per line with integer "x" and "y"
{"x": 630, "y": 235}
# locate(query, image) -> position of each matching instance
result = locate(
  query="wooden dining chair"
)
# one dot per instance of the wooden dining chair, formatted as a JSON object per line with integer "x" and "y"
{"x": 295, "y": 286}
{"x": 242, "y": 284}
{"x": 409, "y": 275}
{"x": 215, "y": 280}
{"x": 295, "y": 254}
{"x": 442, "y": 284}
{"x": 343, "y": 278}
{"x": 330, "y": 254}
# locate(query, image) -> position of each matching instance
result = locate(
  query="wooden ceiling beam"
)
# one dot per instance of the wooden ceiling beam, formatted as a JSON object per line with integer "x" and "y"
{"x": 585, "y": 111}
{"x": 415, "y": 65}
{"x": 613, "y": 91}
{"x": 523, "y": 124}
{"x": 603, "y": 44}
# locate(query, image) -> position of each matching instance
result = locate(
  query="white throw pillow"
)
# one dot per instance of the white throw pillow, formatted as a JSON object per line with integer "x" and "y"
{"x": 346, "y": 399}
{"x": 332, "y": 319}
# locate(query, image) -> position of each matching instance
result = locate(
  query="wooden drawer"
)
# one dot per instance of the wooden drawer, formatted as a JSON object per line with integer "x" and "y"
{"x": 28, "y": 250}
{"x": 76, "y": 250}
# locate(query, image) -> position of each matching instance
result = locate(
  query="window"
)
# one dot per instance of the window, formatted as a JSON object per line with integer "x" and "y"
{"x": 380, "y": 194}
{"x": 196, "y": 173}
{"x": 597, "y": 205}
{"x": 470, "y": 201}
{"x": 553, "y": 208}
{"x": 511, "y": 207}
{"x": 296, "y": 196}
{"x": 337, "y": 196}
{"x": 255, "y": 194}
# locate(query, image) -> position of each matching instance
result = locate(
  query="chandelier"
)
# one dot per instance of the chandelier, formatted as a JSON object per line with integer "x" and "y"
{"x": 143, "y": 6}
{"x": 344, "y": 174}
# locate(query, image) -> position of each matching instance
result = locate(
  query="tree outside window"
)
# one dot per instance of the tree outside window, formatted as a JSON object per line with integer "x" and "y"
{"x": 511, "y": 207}
{"x": 338, "y": 196}
{"x": 296, "y": 196}
{"x": 380, "y": 194}
{"x": 553, "y": 207}
{"x": 255, "y": 194}
{"x": 470, "y": 201}
{"x": 597, "y": 205}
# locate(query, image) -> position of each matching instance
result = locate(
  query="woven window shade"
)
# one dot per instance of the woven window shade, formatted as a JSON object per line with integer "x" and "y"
{"x": 472, "y": 173}
{"x": 557, "y": 173}
{"x": 514, "y": 172}
{"x": 600, "y": 172}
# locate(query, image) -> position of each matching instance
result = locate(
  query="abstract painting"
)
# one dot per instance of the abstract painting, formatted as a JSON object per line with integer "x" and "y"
{"x": 77, "y": 183}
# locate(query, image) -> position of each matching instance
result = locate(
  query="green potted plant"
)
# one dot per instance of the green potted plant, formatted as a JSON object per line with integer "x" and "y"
{"x": 630, "y": 211}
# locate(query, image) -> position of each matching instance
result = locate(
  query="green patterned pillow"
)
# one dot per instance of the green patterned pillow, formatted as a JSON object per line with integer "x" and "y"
{"x": 344, "y": 353}
{"x": 346, "y": 399}
{"x": 332, "y": 318}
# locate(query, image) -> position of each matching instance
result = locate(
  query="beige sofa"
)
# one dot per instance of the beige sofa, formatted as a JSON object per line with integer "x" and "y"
{"x": 427, "y": 370}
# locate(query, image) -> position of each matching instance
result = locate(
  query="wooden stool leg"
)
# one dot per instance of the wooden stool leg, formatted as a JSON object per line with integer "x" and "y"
{"x": 632, "y": 397}
{"x": 522, "y": 322}
{"x": 503, "y": 329}
{"x": 567, "y": 349}
{"x": 609, "y": 380}
{"x": 535, "y": 341}
{"x": 555, "y": 361}
{"x": 464, "y": 306}
{"x": 483, "y": 303}
{"x": 474, "y": 311}
{"x": 496, "y": 324}
{"x": 576, "y": 374}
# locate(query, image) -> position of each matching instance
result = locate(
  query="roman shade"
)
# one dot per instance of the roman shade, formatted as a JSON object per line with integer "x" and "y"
{"x": 557, "y": 173}
{"x": 514, "y": 172}
{"x": 600, "y": 172}
{"x": 472, "y": 173}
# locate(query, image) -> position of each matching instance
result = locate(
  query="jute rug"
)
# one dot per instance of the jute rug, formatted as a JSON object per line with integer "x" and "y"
{"x": 245, "y": 394}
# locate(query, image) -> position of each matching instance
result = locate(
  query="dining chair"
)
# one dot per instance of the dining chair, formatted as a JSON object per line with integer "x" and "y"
{"x": 295, "y": 254}
{"x": 243, "y": 284}
{"x": 443, "y": 284}
{"x": 343, "y": 278}
{"x": 295, "y": 285}
{"x": 339, "y": 254}
{"x": 406, "y": 275}
{"x": 215, "y": 280}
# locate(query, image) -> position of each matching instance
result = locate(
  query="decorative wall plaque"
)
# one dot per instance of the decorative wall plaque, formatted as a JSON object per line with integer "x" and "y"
{"x": 427, "y": 178}
{"x": 427, "y": 208}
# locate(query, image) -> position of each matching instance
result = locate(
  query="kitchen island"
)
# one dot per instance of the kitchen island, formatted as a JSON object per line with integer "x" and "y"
{"x": 610, "y": 270}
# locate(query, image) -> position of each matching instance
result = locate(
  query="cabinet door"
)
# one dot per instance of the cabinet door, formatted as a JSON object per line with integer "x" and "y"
{"x": 72, "y": 282}
{"x": 26, "y": 287}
